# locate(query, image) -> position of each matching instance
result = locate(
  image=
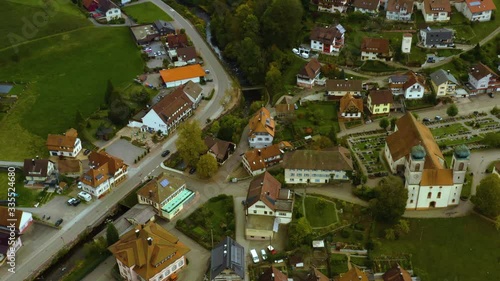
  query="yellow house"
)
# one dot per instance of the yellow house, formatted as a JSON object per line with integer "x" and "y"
{"x": 379, "y": 101}
{"x": 443, "y": 83}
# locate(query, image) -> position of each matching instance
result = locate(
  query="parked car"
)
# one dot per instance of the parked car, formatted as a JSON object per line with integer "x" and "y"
{"x": 80, "y": 184}
{"x": 207, "y": 71}
{"x": 255, "y": 257}
{"x": 84, "y": 196}
{"x": 426, "y": 120}
{"x": 295, "y": 51}
{"x": 264, "y": 254}
{"x": 58, "y": 222}
{"x": 271, "y": 250}
{"x": 438, "y": 118}
{"x": 86, "y": 152}
{"x": 192, "y": 170}
{"x": 209, "y": 80}
{"x": 71, "y": 201}
{"x": 491, "y": 95}
{"x": 165, "y": 153}
{"x": 76, "y": 202}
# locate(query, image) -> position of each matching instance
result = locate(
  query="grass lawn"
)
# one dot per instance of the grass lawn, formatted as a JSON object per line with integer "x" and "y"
{"x": 338, "y": 264}
{"x": 146, "y": 13}
{"x": 377, "y": 66}
{"x": 452, "y": 129}
{"x": 290, "y": 72}
{"x": 449, "y": 249}
{"x": 66, "y": 73}
{"x": 27, "y": 197}
{"x": 320, "y": 212}
{"x": 320, "y": 116}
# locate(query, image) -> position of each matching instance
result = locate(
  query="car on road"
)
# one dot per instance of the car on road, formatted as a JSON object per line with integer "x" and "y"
{"x": 165, "y": 153}
{"x": 207, "y": 71}
{"x": 192, "y": 170}
{"x": 86, "y": 152}
{"x": 438, "y": 118}
{"x": 71, "y": 201}
{"x": 255, "y": 257}
{"x": 209, "y": 80}
{"x": 426, "y": 120}
{"x": 271, "y": 250}
{"x": 58, "y": 222}
{"x": 491, "y": 95}
{"x": 74, "y": 201}
{"x": 264, "y": 254}
{"x": 79, "y": 184}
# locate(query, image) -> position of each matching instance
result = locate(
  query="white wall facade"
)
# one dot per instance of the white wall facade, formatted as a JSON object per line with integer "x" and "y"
{"x": 481, "y": 83}
{"x": 129, "y": 274}
{"x": 285, "y": 217}
{"x": 436, "y": 17}
{"x": 369, "y": 56}
{"x": 401, "y": 15}
{"x": 481, "y": 16}
{"x": 153, "y": 121}
{"x": 26, "y": 221}
{"x": 181, "y": 82}
{"x": 333, "y": 8}
{"x": 77, "y": 147}
{"x": 259, "y": 208}
{"x": 415, "y": 91}
{"x": 300, "y": 176}
{"x": 98, "y": 190}
{"x": 366, "y": 11}
{"x": 406, "y": 45}
{"x": 260, "y": 140}
{"x": 113, "y": 13}
{"x": 343, "y": 93}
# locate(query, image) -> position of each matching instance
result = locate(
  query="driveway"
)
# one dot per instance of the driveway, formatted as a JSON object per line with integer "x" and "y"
{"x": 125, "y": 150}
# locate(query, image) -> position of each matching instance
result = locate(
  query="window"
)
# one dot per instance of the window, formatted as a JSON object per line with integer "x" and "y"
{"x": 417, "y": 167}
{"x": 411, "y": 201}
{"x": 282, "y": 214}
{"x": 255, "y": 211}
{"x": 429, "y": 195}
{"x": 265, "y": 212}
{"x": 260, "y": 206}
{"x": 439, "y": 194}
{"x": 259, "y": 139}
{"x": 292, "y": 174}
{"x": 461, "y": 166}
{"x": 453, "y": 201}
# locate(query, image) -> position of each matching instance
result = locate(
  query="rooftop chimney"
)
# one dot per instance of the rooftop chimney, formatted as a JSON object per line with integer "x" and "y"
{"x": 33, "y": 161}
{"x": 37, "y": 157}
{"x": 150, "y": 193}
{"x": 360, "y": 277}
{"x": 258, "y": 151}
{"x": 137, "y": 231}
{"x": 225, "y": 252}
{"x": 150, "y": 241}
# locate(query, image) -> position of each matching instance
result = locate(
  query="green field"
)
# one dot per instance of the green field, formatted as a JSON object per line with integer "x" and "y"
{"x": 449, "y": 249}
{"x": 65, "y": 73}
{"x": 27, "y": 197}
{"x": 320, "y": 116}
{"x": 320, "y": 214}
{"x": 451, "y": 129}
{"x": 146, "y": 13}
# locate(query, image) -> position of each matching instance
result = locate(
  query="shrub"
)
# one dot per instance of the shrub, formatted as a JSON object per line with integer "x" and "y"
{"x": 345, "y": 233}
{"x": 359, "y": 236}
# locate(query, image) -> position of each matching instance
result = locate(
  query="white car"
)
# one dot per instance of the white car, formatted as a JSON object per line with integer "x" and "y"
{"x": 255, "y": 257}
{"x": 295, "y": 51}
{"x": 84, "y": 196}
{"x": 264, "y": 254}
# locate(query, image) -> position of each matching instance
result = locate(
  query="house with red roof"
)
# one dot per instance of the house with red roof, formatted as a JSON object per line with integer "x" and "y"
{"x": 106, "y": 171}
{"x": 476, "y": 10}
{"x": 482, "y": 79}
{"x": 90, "y": 5}
{"x": 375, "y": 49}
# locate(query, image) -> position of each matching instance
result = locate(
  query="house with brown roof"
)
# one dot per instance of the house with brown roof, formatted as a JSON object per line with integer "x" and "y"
{"x": 375, "y": 49}
{"x": 351, "y": 108}
{"x": 354, "y": 274}
{"x": 477, "y": 10}
{"x": 285, "y": 111}
{"x": 178, "y": 76}
{"x": 482, "y": 80}
{"x": 149, "y": 252}
{"x": 167, "y": 194}
{"x": 256, "y": 161}
{"x": 314, "y": 166}
{"x": 309, "y": 74}
{"x": 379, "y": 101}
{"x": 410, "y": 84}
{"x": 272, "y": 274}
{"x": 336, "y": 89}
{"x": 39, "y": 171}
{"x": 327, "y": 39}
{"x": 411, "y": 151}
{"x": 70, "y": 167}
{"x": 106, "y": 171}
{"x": 184, "y": 55}
{"x": 436, "y": 10}
{"x": 266, "y": 207}
{"x": 333, "y": 6}
{"x": 177, "y": 41}
{"x": 13, "y": 223}
{"x": 366, "y": 6}
{"x": 399, "y": 10}
{"x": 219, "y": 149}
{"x": 262, "y": 129}
{"x": 396, "y": 273}
{"x": 67, "y": 144}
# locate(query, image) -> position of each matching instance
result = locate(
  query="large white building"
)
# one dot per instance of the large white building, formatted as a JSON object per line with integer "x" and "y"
{"x": 399, "y": 10}
{"x": 436, "y": 10}
{"x": 410, "y": 84}
{"x": 262, "y": 128}
{"x": 482, "y": 80}
{"x": 68, "y": 144}
{"x": 476, "y": 10}
{"x": 327, "y": 39}
{"x": 178, "y": 76}
{"x": 412, "y": 151}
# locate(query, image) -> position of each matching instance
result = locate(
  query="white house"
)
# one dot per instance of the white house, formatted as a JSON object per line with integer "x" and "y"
{"x": 38, "y": 170}
{"x": 333, "y": 6}
{"x": 412, "y": 151}
{"x": 476, "y": 10}
{"x": 12, "y": 225}
{"x": 106, "y": 172}
{"x": 482, "y": 80}
{"x": 113, "y": 13}
{"x": 309, "y": 74}
{"x": 436, "y": 10}
{"x": 399, "y": 10}
{"x": 340, "y": 88}
{"x": 327, "y": 39}
{"x": 262, "y": 129}
{"x": 366, "y": 6}
{"x": 178, "y": 76}
{"x": 256, "y": 161}
{"x": 148, "y": 252}
{"x": 437, "y": 37}
{"x": 375, "y": 49}
{"x": 194, "y": 92}
{"x": 68, "y": 144}
{"x": 313, "y": 166}
{"x": 406, "y": 43}
{"x": 411, "y": 85}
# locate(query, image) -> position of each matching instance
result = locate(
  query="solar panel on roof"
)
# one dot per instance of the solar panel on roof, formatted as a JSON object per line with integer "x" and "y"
{"x": 98, "y": 177}
{"x": 477, "y": 3}
{"x": 236, "y": 255}
{"x": 340, "y": 28}
{"x": 87, "y": 177}
{"x": 164, "y": 182}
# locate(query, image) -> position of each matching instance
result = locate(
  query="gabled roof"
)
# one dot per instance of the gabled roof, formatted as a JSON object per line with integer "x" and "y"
{"x": 337, "y": 159}
{"x": 218, "y": 147}
{"x": 262, "y": 122}
{"x": 375, "y": 45}
{"x": 192, "y": 89}
{"x": 36, "y": 167}
{"x": 103, "y": 166}
{"x": 65, "y": 166}
{"x": 187, "y": 53}
{"x": 284, "y": 108}
{"x": 316, "y": 275}
{"x": 478, "y": 6}
{"x": 228, "y": 254}
{"x": 366, "y": 4}
{"x": 148, "y": 258}
{"x": 440, "y": 76}
{"x": 348, "y": 101}
{"x": 413, "y": 78}
{"x": 327, "y": 35}
{"x": 6, "y": 216}
{"x": 98, "y": 158}
{"x": 182, "y": 73}
{"x": 397, "y": 5}
{"x": 311, "y": 69}
{"x": 354, "y": 274}
{"x": 396, "y": 273}
{"x": 172, "y": 106}
{"x": 161, "y": 187}
{"x": 257, "y": 157}
{"x": 272, "y": 274}
{"x": 64, "y": 142}
{"x": 433, "y": 6}
{"x": 263, "y": 188}
{"x": 177, "y": 40}
{"x": 479, "y": 71}
{"x": 161, "y": 24}
{"x": 344, "y": 85}
{"x": 381, "y": 97}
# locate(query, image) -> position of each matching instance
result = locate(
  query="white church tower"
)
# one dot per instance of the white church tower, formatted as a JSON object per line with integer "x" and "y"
{"x": 406, "y": 43}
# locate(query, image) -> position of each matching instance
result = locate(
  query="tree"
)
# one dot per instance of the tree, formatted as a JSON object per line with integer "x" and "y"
{"x": 214, "y": 128}
{"x": 403, "y": 227}
{"x": 112, "y": 235}
{"x": 189, "y": 142}
{"x": 322, "y": 142}
{"x": 491, "y": 139}
{"x": 207, "y": 166}
{"x": 119, "y": 112}
{"x": 298, "y": 231}
{"x": 281, "y": 23}
{"x": 452, "y": 110}
{"x": 274, "y": 81}
{"x": 393, "y": 123}
{"x": 384, "y": 123}
{"x": 79, "y": 121}
{"x": 255, "y": 106}
{"x": 487, "y": 198}
{"x": 109, "y": 92}
{"x": 389, "y": 203}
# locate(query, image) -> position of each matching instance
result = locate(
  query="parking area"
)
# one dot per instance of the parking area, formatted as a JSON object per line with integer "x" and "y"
{"x": 155, "y": 50}
{"x": 125, "y": 151}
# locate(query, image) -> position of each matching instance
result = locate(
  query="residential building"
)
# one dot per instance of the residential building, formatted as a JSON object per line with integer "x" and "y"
{"x": 137, "y": 215}
{"x": 68, "y": 144}
{"x": 219, "y": 149}
{"x": 178, "y": 76}
{"x": 285, "y": 111}
{"x": 70, "y": 167}
{"x": 351, "y": 108}
{"x": 106, "y": 172}
{"x": 187, "y": 55}
{"x": 410, "y": 84}
{"x": 477, "y": 10}
{"x": 194, "y": 92}
{"x": 375, "y": 49}
{"x": 144, "y": 34}
{"x": 262, "y": 129}
{"x": 379, "y": 101}
{"x": 366, "y": 6}
{"x": 167, "y": 114}
{"x": 272, "y": 274}
{"x": 167, "y": 194}
{"x": 412, "y": 151}
{"x": 406, "y": 43}
{"x": 436, "y": 38}
{"x": 354, "y": 274}
{"x": 333, "y": 6}
{"x": 267, "y": 206}
{"x": 109, "y": 10}
{"x": 396, "y": 273}
{"x": 90, "y": 5}
{"x": 316, "y": 275}
{"x": 227, "y": 261}
{"x": 309, "y": 74}
{"x": 12, "y": 225}
{"x": 164, "y": 28}
{"x": 39, "y": 171}
{"x": 149, "y": 252}
{"x": 443, "y": 83}
{"x": 177, "y": 41}
{"x": 339, "y": 88}
{"x": 313, "y": 166}
{"x": 482, "y": 80}
{"x": 436, "y": 10}
{"x": 399, "y": 10}
{"x": 256, "y": 161}
{"x": 327, "y": 39}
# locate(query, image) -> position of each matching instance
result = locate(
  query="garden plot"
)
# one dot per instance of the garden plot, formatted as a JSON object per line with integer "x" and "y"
{"x": 368, "y": 150}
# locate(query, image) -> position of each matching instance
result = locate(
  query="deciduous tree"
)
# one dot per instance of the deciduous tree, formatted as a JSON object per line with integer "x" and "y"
{"x": 492, "y": 139}
{"x": 274, "y": 81}
{"x": 384, "y": 123}
{"x": 112, "y": 235}
{"x": 189, "y": 143}
{"x": 487, "y": 198}
{"x": 298, "y": 231}
{"x": 389, "y": 203}
{"x": 452, "y": 110}
{"x": 207, "y": 166}
{"x": 281, "y": 23}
